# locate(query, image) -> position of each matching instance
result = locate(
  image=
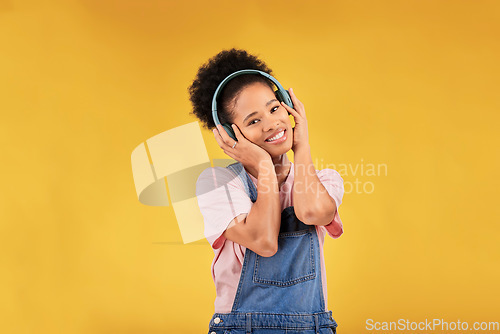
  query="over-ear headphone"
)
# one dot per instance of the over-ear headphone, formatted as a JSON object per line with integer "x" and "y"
{"x": 281, "y": 94}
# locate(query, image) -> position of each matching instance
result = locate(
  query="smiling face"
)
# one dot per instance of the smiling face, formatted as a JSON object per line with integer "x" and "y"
{"x": 262, "y": 119}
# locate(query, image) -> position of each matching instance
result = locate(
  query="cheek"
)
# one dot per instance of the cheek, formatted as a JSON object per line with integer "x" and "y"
{"x": 285, "y": 117}
{"x": 251, "y": 135}
{"x": 288, "y": 122}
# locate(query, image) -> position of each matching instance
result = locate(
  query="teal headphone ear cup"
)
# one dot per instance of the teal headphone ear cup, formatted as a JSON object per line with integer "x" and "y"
{"x": 279, "y": 96}
{"x": 229, "y": 130}
{"x": 282, "y": 98}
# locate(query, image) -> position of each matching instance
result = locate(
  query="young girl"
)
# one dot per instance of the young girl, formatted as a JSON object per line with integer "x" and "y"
{"x": 265, "y": 217}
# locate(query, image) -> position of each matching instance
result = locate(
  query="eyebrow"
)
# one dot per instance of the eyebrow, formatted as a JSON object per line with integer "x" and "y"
{"x": 255, "y": 112}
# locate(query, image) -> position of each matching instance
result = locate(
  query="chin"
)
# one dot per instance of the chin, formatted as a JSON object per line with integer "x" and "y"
{"x": 279, "y": 151}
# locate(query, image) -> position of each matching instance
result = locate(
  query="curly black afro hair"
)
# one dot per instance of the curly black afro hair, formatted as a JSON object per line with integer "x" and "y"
{"x": 211, "y": 74}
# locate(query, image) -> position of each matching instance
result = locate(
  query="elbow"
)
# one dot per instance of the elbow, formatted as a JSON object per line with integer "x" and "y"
{"x": 268, "y": 252}
{"x": 267, "y": 248}
{"x": 320, "y": 217}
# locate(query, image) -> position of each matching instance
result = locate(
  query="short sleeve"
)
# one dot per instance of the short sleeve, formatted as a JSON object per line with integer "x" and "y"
{"x": 334, "y": 184}
{"x": 221, "y": 197}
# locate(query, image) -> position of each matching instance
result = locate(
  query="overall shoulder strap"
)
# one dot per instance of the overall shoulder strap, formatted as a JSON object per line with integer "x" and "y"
{"x": 250, "y": 189}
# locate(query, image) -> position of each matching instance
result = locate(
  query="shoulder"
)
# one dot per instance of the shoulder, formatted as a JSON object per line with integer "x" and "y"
{"x": 329, "y": 173}
{"x": 216, "y": 173}
{"x": 215, "y": 177}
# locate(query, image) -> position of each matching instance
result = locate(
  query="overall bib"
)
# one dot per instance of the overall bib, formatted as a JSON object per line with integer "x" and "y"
{"x": 282, "y": 293}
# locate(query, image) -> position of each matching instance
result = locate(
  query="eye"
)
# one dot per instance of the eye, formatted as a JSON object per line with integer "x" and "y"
{"x": 272, "y": 110}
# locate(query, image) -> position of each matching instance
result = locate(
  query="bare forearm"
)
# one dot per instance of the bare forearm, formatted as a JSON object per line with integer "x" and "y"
{"x": 264, "y": 218}
{"x": 312, "y": 203}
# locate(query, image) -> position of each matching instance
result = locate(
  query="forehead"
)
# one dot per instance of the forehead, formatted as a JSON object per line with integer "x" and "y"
{"x": 252, "y": 98}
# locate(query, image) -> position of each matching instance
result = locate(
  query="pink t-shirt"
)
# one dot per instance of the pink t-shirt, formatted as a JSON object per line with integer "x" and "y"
{"x": 222, "y": 197}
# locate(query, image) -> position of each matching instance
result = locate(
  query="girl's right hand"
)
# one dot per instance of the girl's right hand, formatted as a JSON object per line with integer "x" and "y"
{"x": 245, "y": 152}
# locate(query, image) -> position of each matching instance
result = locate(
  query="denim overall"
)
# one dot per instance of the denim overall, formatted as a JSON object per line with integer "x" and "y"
{"x": 282, "y": 293}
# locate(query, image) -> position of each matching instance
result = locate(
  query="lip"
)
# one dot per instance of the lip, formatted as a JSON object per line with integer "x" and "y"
{"x": 274, "y": 134}
{"x": 278, "y": 141}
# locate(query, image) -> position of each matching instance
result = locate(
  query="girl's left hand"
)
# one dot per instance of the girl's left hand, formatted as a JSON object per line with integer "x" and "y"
{"x": 300, "y": 132}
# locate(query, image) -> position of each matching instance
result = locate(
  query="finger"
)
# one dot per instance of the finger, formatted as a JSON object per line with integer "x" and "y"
{"x": 237, "y": 132}
{"x": 295, "y": 100}
{"x": 293, "y": 96}
{"x": 219, "y": 139}
{"x": 290, "y": 110}
{"x": 223, "y": 134}
{"x": 239, "y": 135}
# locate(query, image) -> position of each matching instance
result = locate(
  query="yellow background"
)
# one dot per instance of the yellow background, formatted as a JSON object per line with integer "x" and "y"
{"x": 409, "y": 84}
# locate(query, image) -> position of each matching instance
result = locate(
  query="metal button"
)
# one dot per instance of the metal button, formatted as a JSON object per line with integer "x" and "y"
{"x": 217, "y": 320}
{"x": 213, "y": 333}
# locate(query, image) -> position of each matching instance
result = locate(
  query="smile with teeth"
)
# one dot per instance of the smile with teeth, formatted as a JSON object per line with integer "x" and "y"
{"x": 278, "y": 136}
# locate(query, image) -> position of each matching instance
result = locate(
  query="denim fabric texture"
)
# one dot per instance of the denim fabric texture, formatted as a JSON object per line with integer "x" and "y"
{"x": 260, "y": 323}
{"x": 282, "y": 293}
{"x": 300, "y": 261}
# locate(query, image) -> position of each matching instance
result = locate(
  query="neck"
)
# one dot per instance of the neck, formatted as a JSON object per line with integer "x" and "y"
{"x": 281, "y": 163}
{"x": 282, "y": 168}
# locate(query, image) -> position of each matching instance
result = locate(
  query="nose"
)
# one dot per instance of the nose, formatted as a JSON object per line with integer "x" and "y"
{"x": 271, "y": 124}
